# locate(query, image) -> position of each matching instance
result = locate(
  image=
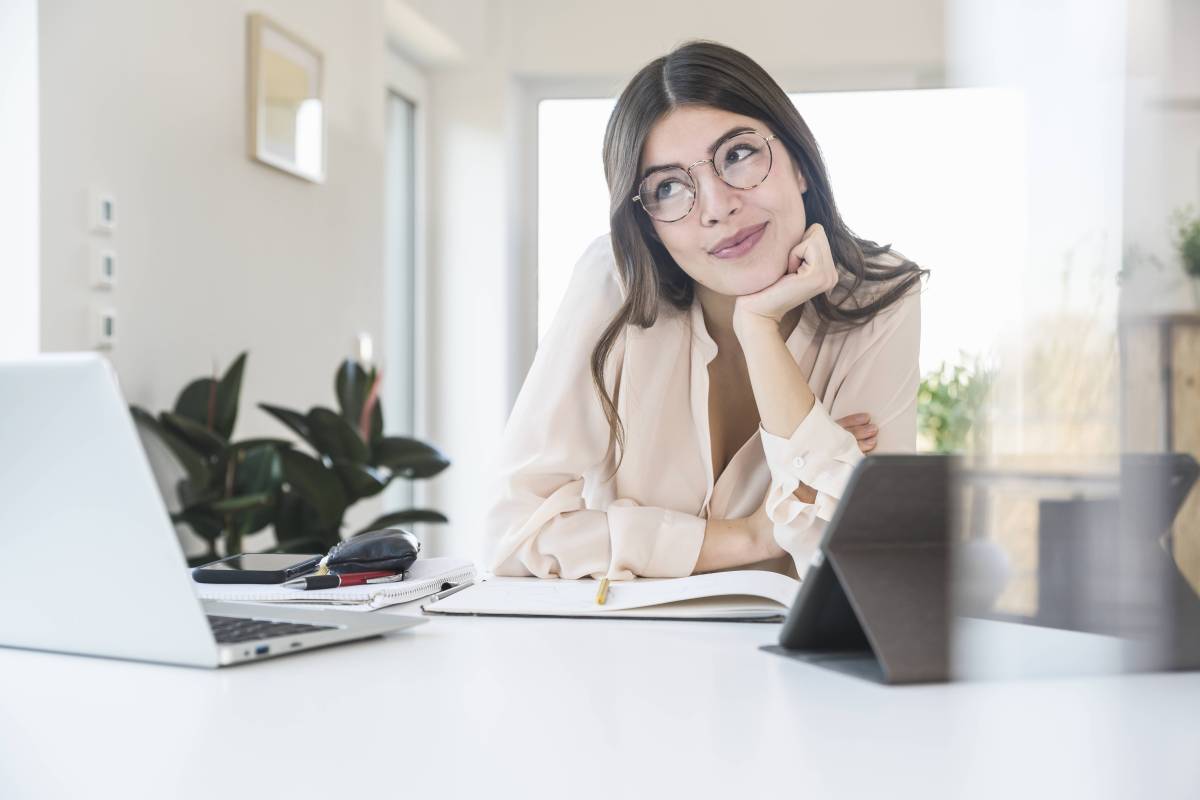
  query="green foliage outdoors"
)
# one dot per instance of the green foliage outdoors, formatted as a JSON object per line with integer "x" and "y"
{"x": 1187, "y": 240}
{"x": 950, "y": 407}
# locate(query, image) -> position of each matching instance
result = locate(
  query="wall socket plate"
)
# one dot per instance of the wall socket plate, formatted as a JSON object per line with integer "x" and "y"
{"x": 102, "y": 267}
{"x": 102, "y": 211}
{"x": 102, "y": 324}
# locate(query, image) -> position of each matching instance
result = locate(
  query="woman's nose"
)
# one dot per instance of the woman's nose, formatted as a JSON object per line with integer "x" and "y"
{"x": 715, "y": 199}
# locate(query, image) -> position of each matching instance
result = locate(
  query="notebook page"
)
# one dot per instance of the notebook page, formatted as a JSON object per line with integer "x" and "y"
{"x": 497, "y": 595}
{"x": 424, "y": 578}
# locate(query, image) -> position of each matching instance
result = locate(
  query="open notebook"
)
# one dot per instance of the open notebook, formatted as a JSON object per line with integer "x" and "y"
{"x": 426, "y": 576}
{"x": 735, "y": 595}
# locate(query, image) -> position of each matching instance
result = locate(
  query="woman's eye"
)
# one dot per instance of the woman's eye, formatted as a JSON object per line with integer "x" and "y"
{"x": 666, "y": 189}
{"x": 740, "y": 153}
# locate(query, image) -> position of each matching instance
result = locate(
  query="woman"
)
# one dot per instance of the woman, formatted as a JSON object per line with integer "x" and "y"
{"x": 679, "y": 414}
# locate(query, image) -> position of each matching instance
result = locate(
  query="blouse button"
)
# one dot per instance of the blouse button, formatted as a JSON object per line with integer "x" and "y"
{"x": 798, "y": 462}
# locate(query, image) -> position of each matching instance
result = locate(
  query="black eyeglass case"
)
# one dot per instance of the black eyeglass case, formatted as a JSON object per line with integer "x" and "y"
{"x": 390, "y": 550}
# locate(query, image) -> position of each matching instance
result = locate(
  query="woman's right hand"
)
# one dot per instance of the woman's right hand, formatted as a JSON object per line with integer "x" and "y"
{"x": 864, "y": 432}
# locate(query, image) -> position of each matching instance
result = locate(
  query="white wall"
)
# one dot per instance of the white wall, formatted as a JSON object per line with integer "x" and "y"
{"x": 216, "y": 252}
{"x": 482, "y": 233}
{"x": 19, "y": 186}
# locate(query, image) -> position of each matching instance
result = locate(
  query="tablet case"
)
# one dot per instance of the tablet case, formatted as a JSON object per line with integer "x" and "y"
{"x": 875, "y": 601}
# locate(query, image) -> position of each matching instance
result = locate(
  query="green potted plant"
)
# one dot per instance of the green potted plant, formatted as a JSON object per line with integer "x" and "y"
{"x": 234, "y": 488}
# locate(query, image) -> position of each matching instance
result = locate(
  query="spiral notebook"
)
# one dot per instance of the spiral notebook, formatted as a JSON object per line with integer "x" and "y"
{"x": 426, "y": 576}
{"x": 747, "y": 595}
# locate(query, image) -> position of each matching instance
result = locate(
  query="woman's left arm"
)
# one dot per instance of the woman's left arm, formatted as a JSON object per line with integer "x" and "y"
{"x": 811, "y": 456}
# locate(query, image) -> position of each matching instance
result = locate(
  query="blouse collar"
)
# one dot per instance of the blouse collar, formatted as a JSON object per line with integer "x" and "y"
{"x": 797, "y": 342}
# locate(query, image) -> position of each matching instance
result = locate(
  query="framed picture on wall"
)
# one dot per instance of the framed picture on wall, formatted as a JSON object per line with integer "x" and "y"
{"x": 285, "y": 109}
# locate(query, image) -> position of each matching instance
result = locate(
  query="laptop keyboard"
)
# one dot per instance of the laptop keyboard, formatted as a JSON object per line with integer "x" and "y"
{"x": 230, "y": 630}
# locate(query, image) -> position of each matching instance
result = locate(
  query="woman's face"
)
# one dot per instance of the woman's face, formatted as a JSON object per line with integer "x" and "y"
{"x": 686, "y": 135}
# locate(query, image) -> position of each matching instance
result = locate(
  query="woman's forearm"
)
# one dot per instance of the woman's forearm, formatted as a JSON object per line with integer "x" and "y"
{"x": 728, "y": 543}
{"x": 780, "y": 391}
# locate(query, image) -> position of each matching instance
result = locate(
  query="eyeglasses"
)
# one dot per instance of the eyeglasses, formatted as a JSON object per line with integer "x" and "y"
{"x": 742, "y": 161}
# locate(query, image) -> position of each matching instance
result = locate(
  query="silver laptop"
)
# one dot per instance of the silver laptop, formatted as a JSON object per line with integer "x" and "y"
{"x": 91, "y": 560}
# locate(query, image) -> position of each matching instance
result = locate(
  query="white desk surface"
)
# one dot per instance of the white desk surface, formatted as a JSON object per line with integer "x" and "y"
{"x": 580, "y": 709}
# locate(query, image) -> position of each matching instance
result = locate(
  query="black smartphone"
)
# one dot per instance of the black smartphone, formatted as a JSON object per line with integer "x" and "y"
{"x": 256, "y": 568}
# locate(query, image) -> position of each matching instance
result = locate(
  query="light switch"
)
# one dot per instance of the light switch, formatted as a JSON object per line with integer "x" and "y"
{"x": 102, "y": 211}
{"x": 102, "y": 267}
{"x": 103, "y": 326}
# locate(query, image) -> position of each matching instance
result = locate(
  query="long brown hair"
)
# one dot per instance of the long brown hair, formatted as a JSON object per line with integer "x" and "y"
{"x": 706, "y": 73}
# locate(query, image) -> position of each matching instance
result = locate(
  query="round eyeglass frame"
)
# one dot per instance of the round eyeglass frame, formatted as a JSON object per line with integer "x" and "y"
{"x": 637, "y": 198}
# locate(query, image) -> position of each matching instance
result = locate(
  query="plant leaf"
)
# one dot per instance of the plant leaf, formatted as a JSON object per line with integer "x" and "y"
{"x": 190, "y": 495}
{"x": 409, "y": 458}
{"x": 264, "y": 441}
{"x": 351, "y": 383}
{"x": 375, "y": 431}
{"x": 295, "y": 521}
{"x": 211, "y": 404}
{"x": 256, "y": 465}
{"x": 398, "y": 517}
{"x": 193, "y": 401}
{"x": 353, "y": 387}
{"x": 193, "y": 463}
{"x": 361, "y": 480}
{"x": 335, "y": 437}
{"x": 317, "y": 485}
{"x": 230, "y": 505}
{"x": 229, "y": 390}
{"x": 209, "y": 443}
{"x": 294, "y": 420}
{"x": 298, "y": 529}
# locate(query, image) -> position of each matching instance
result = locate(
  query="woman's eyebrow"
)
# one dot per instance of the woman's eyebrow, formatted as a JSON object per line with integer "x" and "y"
{"x": 712, "y": 149}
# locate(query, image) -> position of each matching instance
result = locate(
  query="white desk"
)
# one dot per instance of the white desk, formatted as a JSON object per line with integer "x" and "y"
{"x": 575, "y": 709}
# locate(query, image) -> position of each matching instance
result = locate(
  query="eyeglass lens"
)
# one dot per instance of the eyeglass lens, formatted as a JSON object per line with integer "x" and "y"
{"x": 742, "y": 161}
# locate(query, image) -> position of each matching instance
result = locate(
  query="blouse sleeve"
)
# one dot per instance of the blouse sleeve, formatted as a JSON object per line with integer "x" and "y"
{"x": 556, "y": 434}
{"x": 882, "y": 381}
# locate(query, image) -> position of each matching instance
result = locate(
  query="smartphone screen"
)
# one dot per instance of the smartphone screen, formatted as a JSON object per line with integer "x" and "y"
{"x": 256, "y": 568}
{"x": 262, "y": 562}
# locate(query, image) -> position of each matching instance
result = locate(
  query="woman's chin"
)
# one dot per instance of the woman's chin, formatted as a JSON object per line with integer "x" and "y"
{"x": 751, "y": 282}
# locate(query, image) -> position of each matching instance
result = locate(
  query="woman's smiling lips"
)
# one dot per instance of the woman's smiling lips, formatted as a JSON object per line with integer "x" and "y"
{"x": 745, "y": 245}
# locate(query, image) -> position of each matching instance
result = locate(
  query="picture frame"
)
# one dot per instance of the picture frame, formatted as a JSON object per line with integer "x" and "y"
{"x": 285, "y": 100}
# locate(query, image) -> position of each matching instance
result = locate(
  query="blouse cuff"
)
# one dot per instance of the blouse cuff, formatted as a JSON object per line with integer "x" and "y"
{"x": 669, "y": 551}
{"x": 819, "y": 453}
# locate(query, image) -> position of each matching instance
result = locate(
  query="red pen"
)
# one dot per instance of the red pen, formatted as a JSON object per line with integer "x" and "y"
{"x": 333, "y": 581}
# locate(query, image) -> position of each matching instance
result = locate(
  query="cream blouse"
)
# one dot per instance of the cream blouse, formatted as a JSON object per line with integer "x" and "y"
{"x": 560, "y": 512}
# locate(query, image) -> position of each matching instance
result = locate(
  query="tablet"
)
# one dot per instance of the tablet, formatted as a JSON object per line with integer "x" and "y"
{"x": 876, "y": 597}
